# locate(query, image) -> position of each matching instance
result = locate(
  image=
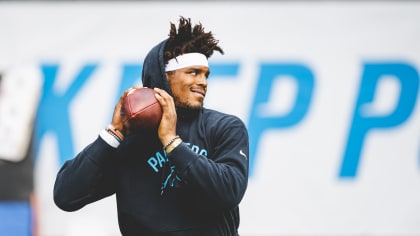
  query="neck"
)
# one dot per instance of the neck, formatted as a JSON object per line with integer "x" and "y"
{"x": 187, "y": 113}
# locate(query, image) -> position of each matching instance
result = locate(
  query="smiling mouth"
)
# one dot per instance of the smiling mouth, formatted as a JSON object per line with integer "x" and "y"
{"x": 201, "y": 92}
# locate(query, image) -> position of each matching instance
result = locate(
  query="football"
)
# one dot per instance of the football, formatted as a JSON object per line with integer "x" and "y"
{"x": 141, "y": 110}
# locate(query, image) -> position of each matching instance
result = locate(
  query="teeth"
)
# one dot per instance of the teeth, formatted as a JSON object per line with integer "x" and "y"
{"x": 199, "y": 91}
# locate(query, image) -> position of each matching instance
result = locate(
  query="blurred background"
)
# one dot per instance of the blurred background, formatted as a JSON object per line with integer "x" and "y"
{"x": 329, "y": 91}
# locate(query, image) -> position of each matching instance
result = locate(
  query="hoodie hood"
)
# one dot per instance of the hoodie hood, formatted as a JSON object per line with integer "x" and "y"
{"x": 153, "y": 74}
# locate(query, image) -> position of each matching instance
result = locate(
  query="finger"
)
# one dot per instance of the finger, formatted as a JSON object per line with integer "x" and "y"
{"x": 118, "y": 113}
{"x": 163, "y": 97}
{"x": 161, "y": 92}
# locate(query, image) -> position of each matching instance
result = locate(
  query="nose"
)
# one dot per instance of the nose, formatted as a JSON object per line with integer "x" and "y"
{"x": 202, "y": 80}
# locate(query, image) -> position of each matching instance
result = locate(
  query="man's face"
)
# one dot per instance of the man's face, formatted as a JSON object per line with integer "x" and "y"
{"x": 189, "y": 86}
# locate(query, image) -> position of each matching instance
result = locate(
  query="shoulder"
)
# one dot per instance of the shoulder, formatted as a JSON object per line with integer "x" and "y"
{"x": 220, "y": 118}
{"x": 223, "y": 128}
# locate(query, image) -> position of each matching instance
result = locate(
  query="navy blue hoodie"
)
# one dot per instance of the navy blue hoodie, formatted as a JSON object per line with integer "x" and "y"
{"x": 194, "y": 190}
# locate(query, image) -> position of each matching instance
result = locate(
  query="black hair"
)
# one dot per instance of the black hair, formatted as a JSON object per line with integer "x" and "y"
{"x": 188, "y": 39}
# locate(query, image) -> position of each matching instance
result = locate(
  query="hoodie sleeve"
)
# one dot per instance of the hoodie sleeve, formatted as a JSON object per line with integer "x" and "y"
{"x": 223, "y": 177}
{"x": 86, "y": 178}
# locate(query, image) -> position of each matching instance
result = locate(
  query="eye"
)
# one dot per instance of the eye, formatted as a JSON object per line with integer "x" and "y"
{"x": 193, "y": 72}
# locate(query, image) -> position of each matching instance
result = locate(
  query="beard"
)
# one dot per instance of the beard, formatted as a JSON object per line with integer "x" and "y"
{"x": 188, "y": 104}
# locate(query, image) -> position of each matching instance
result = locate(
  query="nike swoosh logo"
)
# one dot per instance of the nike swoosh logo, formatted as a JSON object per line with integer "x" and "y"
{"x": 243, "y": 154}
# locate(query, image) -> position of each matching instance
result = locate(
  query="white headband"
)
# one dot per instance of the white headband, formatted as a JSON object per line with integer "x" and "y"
{"x": 186, "y": 60}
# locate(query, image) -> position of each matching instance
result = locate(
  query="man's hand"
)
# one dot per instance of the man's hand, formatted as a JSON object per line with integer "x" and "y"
{"x": 117, "y": 117}
{"x": 167, "y": 126}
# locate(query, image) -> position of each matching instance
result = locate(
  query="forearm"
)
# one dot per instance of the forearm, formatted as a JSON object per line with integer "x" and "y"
{"x": 86, "y": 178}
{"x": 224, "y": 182}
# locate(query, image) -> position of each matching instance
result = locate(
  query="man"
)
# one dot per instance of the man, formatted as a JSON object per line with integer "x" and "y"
{"x": 187, "y": 178}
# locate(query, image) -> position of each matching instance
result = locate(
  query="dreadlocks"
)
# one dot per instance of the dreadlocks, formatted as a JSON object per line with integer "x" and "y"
{"x": 190, "y": 39}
